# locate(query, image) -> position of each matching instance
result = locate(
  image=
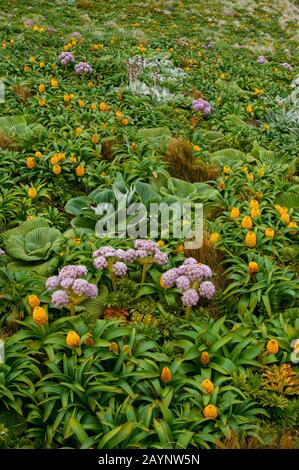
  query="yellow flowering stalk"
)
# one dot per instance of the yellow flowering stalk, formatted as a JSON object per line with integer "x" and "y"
{"x": 208, "y": 386}
{"x": 166, "y": 375}
{"x": 33, "y": 301}
{"x": 73, "y": 339}
{"x": 246, "y": 222}
{"x": 30, "y": 163}
{"x": 250, "y": 240}
{"x": 272, "y": 346}
{"x": 214, "y": 238}
{"x": 205, "y": 358}
{"x": 234, "y": 213}
{"x": 80, "y": 170}
{"x": 294, "y": 226}
{"x": 269, "y": 232}
{"x": 210, "y": 412}
{"x": 32, "y": 193}
{"x": 40, "y": 316}
{"x": 253, "y": 268}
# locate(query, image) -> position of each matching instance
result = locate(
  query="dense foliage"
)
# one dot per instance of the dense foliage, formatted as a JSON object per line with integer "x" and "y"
{"x": 129, "y": 343}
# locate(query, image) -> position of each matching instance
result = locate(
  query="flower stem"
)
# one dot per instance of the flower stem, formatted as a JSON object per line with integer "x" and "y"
{"x": 144, "y": 271}
{"x": 113, "y": 279}
{"x": 188, "y": 313}
{"x": 73, "y": 310}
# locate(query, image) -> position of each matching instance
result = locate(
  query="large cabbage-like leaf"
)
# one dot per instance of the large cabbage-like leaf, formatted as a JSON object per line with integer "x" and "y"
{"x": 289, "y": 199}
{"x": 42, "y": 269}
{"x": 228, "y": 156}
{"x": 25, "y": 227}
{"x": 76, "y": 204}
{"x": 36, "y": 245}
{"x": 145, "y": 192}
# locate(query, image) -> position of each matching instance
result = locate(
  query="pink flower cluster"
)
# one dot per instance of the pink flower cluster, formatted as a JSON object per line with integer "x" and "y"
{"x": 202, "y": 106}
{"x": 66, "y": 57}
{"x": 69, "y": 279}
{"x": 117, "y": 259}
{"x": 192, "y": 279}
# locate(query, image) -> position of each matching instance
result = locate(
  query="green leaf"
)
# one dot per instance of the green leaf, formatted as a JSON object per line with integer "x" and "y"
{"x": 117, "y": 436}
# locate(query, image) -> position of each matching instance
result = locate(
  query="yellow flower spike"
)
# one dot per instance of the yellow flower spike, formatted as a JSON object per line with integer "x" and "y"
{"x": 93, "y": 106}
{"x": 73, "y": 339}
{"x": 33, "y": 301}
{"x": 42, "y": 102}
{"x": 56, "y": 169}
{"x": 32, "y": 193}
{"x": 293, "y": 225}
{"x": 269, "y": 232}
{"x": 234, "y": 213}
{"x": 205, "y": 358}
{"x": 78, "y": 130}
{"x": 249, "y": 108}
{"x": 285, "y": 218}
{"x": 272, "y": 346}
{"x": 214, "y": 238}
{"x": 104, "y": 107}
{"x": 196, "y": 148}
{"x": 134, "y": 147}
{"x": 226, "y": 169}
{"x": 41, "y": 88}
{"x": 255, "y": 213}
{"x": 207, "y": 386}
{"x": 254, "y": 204}
{"x": 73, "y": 159}
{"x": 55, "y": 159}
{"x": 246, "y": 222}
{"x": 253, "y": 268}
{"x": 80, "y": 170}
{"x": 210, "y": 412}
{"x": 81, "y": 104}
{"x": 125, "y": 121}
{"x": 66, "y": 98}
{"x": 30, "y": 163}
{"x": 95, "y": 139}
{"x": 54, "y": 83}
{"x": 166, "y": 375}
{"x": 40, "y": 316}
{"x": 250, "y": 176}
{"x": 250, "y": 240}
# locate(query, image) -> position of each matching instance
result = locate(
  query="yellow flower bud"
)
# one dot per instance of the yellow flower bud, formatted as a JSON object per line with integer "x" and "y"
{"x": 40, "y": 316}
{"x": 208, "y": 386}
{"x": 32, "y": 193}
{"x": 73, "y": 339}
{"x": 166, "y": 375}
{"x": 272, "y": 346}
{"x": 246, "y": 222}
{"x": 250, "y": 239}
{"x": 210, "y": 412}
{"x": 234, "y": 213}
{"x": 253, "y": 268}
{"x": 33, "y": 301}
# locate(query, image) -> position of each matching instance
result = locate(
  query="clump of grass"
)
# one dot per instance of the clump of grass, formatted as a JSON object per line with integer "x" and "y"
{"x": 179, "y": 157}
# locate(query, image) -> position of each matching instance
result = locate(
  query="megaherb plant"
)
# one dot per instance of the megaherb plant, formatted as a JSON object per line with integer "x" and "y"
{"x": 172, "y": 103}
{"x": 143, "y": 401}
